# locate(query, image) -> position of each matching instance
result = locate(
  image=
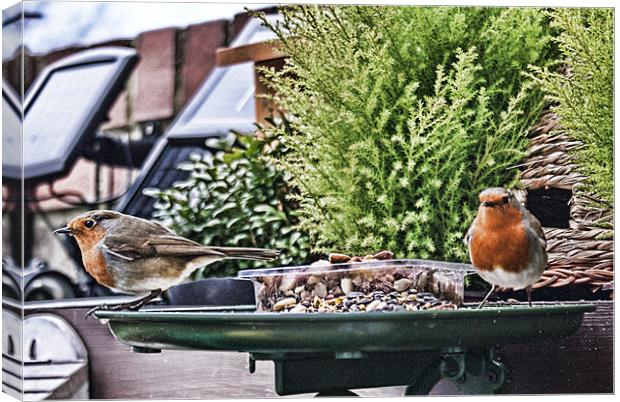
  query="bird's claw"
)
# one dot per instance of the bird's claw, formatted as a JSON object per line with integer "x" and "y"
{"x": 134, "y": 305}
{"x": 116, "y": 307}
{"x": 90, "y": 312}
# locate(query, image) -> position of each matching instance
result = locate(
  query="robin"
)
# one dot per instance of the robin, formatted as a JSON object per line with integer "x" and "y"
{"x": 506, "y": 243}
{"x": 137, "y": 256}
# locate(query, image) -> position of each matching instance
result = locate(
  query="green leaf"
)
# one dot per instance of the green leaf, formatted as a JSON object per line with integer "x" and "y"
{"x": 212, "y": 222}
{"x": 275, "y": 218}
{"x": 237, "y": 239}
{"x": 224, "y": 208}
{"x": 231, "y": 222}
{"x": 294, "y": 237}
{"x": 152, "y": 192}
{"x": 286, "y": 230}
{"x": 263, "y": 208}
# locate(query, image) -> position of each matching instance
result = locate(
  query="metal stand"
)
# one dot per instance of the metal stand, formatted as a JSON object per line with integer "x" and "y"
{"x": 472, "y": 372}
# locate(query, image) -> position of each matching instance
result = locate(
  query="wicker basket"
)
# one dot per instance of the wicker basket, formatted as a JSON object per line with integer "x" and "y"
{"x": 583, "y": 252}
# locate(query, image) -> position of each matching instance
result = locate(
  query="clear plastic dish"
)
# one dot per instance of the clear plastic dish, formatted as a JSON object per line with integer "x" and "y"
{"x": 391, "y": 285}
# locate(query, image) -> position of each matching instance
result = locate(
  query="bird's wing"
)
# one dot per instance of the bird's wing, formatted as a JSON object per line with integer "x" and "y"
{"x": 469, "y": 234}
{"x": 127, "y": 248}
{"x": 161, "y": 245}
{"x": 536, "y": 228}
{"x": 177, "y": 246}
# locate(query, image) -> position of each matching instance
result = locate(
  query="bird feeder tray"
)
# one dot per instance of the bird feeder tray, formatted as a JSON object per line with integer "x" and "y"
{"x": 415, "y": 348}
{"x": 331, "y": 284}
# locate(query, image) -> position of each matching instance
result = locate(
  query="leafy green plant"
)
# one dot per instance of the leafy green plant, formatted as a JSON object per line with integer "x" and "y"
{"x": 400, "y": 116}
{"x": 234, "y": 198}
{"x": 581, "y": 88}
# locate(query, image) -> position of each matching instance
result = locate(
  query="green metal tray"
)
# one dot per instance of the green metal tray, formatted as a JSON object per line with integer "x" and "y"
{"x": 280, "y": 333}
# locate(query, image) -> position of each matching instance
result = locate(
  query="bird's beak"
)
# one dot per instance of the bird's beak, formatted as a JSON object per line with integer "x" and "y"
{"x": 64, "y": 231}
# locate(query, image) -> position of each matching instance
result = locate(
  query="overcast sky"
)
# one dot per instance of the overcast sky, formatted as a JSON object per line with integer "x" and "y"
{"x": 71, "y": 23}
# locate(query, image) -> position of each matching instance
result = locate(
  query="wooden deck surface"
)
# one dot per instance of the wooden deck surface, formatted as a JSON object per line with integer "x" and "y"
{"x": 582, "y": 363}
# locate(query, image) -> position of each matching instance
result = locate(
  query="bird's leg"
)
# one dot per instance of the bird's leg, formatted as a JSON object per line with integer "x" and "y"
{"x": 138, "y": 303}
{"x": 486, "y": 297}
{"x": 528, "y": 290}
{"x": 132, "y": 305}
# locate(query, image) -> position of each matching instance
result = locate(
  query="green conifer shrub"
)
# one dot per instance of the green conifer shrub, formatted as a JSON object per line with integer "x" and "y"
{"x": 580, "y": 87}
{"x": 400, "y": 116}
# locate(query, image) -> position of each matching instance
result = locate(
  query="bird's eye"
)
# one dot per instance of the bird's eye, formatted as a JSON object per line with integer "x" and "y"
{"x": 90, "y": 223}
{"x": 505, "y": 199}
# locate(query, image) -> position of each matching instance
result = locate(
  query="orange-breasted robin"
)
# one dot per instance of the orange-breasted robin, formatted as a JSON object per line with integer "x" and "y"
{"x": 506, "y": 243}
{"x": 140, "y": 257}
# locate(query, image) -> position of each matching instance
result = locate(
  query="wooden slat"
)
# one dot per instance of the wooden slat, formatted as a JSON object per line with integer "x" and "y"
{"x": 11, "y": 366}
{"x": 36, "y": 396}
{"x": 65, "y": 370}
{"x": 40, "y": 370}
{"x": 582, "y": 363}
{"x": 12, "y": 380}
{"x": 16, "y": 393}
{"x": 43, "y": 384}
{"x": 253, "y": 52}
{"x": 74, "y": 385}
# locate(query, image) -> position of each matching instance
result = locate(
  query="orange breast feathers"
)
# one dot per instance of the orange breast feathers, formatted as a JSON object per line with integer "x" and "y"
{"x": 93, "y": 259}
{"x": 95, "y": 264}
{"x": 499, "y": 241}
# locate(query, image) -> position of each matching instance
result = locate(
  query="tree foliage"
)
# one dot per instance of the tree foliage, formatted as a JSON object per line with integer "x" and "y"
{"x": 580, "y": 86}
{"x": 400, "y": 116}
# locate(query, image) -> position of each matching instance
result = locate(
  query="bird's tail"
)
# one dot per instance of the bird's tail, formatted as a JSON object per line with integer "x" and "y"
{"x": 244, "y": 253}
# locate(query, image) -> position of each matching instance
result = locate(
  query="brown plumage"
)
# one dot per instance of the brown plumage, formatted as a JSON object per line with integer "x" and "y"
{"x": 506, "y": 243}
{"x": 137, "y": 256}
